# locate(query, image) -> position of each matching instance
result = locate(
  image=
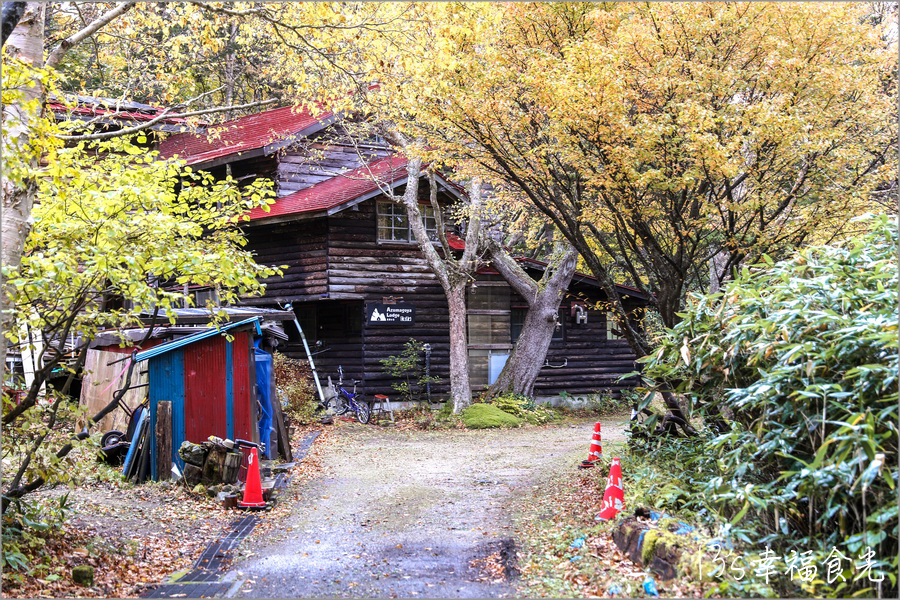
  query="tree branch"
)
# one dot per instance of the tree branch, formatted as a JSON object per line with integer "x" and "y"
{"x": 57, "y": 54}
{"x": 512, "y": 272}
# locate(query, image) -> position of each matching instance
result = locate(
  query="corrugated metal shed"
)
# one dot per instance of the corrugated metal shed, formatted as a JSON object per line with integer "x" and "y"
{"x": 208, "y": 380}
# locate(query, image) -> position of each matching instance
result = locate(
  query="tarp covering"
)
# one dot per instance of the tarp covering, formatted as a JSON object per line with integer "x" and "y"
{"x": 101, "y": 379}
{"x": 265, "y": 392}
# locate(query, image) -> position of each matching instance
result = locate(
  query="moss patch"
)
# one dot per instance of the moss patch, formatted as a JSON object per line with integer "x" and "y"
{"x": 648, "y": 545}
{"x": 484, "y": 416}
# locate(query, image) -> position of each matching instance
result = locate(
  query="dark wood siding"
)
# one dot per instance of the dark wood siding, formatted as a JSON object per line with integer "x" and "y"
{"x": 300, "y": 168}
{"x": 592, "y": 362}
{"x": 301, "y": 246}
{"x": 582, "y": 362}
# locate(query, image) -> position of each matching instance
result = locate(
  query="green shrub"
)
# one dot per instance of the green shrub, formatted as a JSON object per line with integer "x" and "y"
{"x": 408, "y": 367}
{"x": 293, "y": 383}
{"x": 524, "y": 408}
{"x": 799, "y": 360}
{"x": 485, "y": 416}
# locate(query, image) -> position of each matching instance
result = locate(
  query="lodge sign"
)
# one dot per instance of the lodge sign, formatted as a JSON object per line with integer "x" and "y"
{"x": 390, "y": 314}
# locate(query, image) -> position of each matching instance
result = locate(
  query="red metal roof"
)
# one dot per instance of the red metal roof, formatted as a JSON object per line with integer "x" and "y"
{"x": 456, "y": 242}
{"x": 121, "y": 111}
{"x": 240, "y": 135}
{"x": 337, "y": 190}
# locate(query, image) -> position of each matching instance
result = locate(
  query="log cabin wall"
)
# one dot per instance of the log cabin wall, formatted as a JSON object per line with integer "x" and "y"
{"x": 585, "y": 361}
{"x": 362, "y": 269}
{"x": 583, "y": 358}
{"x": 301, "y": 246}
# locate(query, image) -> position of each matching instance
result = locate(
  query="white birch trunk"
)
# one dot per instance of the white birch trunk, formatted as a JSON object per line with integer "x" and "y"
{"x": 453, "y": 276}
{"x": 27, "y": 44}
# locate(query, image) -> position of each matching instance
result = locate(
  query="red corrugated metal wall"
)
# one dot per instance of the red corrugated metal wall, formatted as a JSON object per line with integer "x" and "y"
{"x": 204, "y": 389}
{"x": 244, "y": 369}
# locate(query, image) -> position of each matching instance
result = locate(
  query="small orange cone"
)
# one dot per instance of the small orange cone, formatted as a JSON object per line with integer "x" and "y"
{"x": 253, "y": 486}
{"x": 596, "y": 451}
{"x": 614, "y": 497}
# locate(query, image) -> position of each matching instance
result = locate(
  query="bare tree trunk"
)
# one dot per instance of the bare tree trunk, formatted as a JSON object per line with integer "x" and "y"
{"x": 26, "y": 43}
{"x": 717, "y": 275}
{"x": 229, "y": 68}
{"x": 460, "y": 388}
{"x": 528, "y": 355}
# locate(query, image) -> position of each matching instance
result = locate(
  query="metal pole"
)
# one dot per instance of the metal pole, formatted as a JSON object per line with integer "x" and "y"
{"x": 428, "y": 371}
{"x": 312, "y": 364}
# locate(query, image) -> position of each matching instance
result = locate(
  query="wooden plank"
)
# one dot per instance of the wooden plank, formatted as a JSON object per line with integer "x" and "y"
{"x": 164, "y": 439}
{"x": 284, "y": 440}
{"x": 354, "y": 258}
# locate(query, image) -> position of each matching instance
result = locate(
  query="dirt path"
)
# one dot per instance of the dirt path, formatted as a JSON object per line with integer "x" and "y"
{"x": 403, "y": 514}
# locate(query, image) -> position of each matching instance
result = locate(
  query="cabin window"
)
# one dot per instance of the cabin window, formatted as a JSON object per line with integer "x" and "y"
{"x": 204, "y": 296}
{"x": 612, "y": 327}
{"x": 393, "y": 224}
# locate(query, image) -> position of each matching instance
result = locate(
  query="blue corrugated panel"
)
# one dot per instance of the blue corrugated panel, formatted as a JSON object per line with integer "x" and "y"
{"x": 166, "y": 378}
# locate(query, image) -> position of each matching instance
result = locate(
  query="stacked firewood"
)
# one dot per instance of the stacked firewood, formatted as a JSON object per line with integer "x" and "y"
{"x": 213, "y": 462}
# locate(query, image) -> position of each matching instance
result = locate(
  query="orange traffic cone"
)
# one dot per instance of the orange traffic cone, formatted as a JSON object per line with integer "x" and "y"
{"x": 253, "y": 486}
{"x": 596, "y": 451}
{"x": 614, "y": 497}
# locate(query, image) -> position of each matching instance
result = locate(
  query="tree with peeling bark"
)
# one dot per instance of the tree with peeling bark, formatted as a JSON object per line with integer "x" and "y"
{"x": 543, "y": 298}
{"x": 662, "y": 139}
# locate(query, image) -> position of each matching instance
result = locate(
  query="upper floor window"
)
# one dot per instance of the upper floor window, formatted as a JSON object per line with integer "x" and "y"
{"x": 393, "y": 224}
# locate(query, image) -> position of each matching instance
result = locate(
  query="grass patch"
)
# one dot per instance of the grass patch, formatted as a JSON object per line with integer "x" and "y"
{"x": 486, "y": 416}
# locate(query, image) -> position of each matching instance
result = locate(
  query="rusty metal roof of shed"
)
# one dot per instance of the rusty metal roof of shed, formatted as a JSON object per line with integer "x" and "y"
{"x": 259, "y": 134}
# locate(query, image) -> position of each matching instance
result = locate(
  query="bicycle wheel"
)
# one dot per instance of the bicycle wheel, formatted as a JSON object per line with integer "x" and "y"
{"x": 339, "y": 404}
{"x": 362, "y": 412}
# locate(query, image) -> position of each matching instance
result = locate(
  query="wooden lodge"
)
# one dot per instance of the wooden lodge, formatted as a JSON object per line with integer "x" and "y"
{"x": 355, "y": 276}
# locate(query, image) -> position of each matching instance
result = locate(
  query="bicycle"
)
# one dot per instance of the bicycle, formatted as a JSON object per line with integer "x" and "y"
{"x": 344, "y": 401}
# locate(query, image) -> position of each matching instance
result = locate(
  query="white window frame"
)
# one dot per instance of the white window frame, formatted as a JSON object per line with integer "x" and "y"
{"x": 398, "y": 210}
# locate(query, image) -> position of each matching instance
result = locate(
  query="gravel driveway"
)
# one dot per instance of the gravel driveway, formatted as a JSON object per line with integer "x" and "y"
{"x": 404, "y": 513}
